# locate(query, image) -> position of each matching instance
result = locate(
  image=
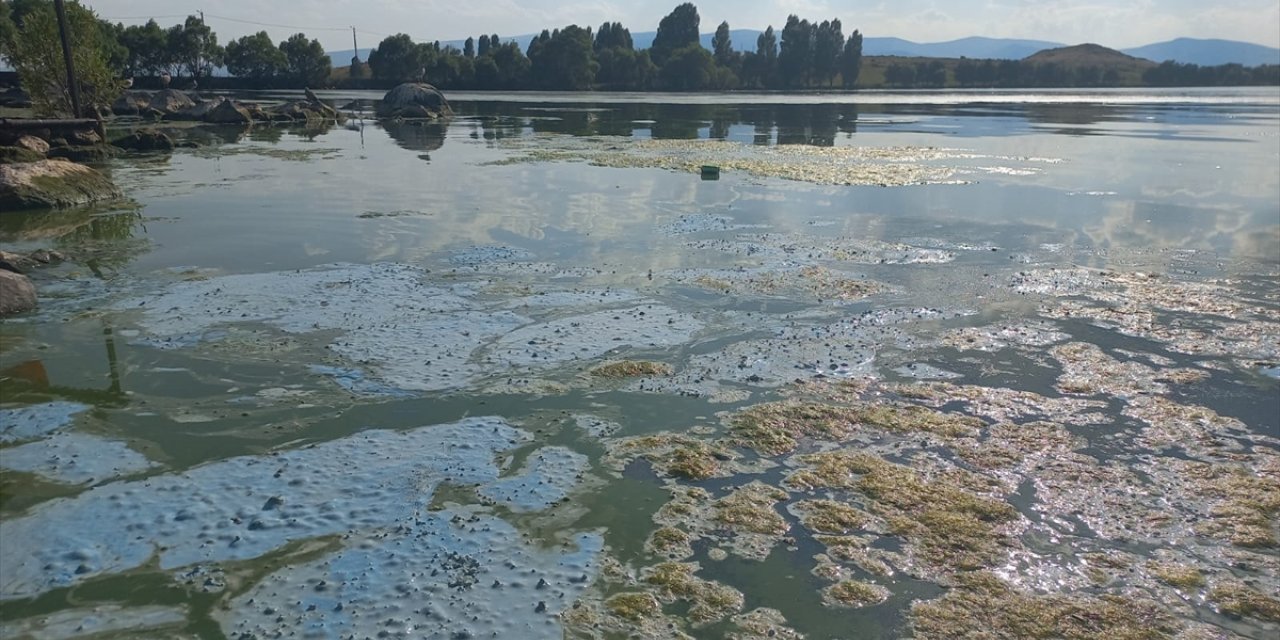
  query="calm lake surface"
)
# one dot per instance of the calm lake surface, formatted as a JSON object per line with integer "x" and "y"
{"x": 346, "y": 382}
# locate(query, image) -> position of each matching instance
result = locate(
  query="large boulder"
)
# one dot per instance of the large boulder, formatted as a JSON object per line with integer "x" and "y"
{"x": 132, "y": 103}
{"x": 228, "y": 112}
{"x": 17, "y": 294}
{"x": 52, "y": 184}
{"x": 170, "y": 101}
{"x": 413, "y": 100}
{"x": 145, "y": 140}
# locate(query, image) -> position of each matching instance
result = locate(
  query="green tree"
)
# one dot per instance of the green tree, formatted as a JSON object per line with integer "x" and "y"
{"x": 760, "y": 68}
{"x": 677, "y": 30}
{"x": 255, "y": 57}
{"x": 690, "y": 68}
{"x": 513, "y": 66}
{"x": 482, "y": 47}
{"x": 828, "y": 39}
{"x": 795, "y": 61}
{"x": 193, "y": 47}
{"x": 625, "y": 69}
{"x": 148, "y": 49}
{"x": 469, "y": 48}
{"x": 305, "y": 61}
{"x": 851, "y": 60}
{"x": 35, "y": 51}
{"x": 109, "y": 38}
{"x": 722, "y": 45}
{"x": 612, "y": 35}
{"x": 397, "y": 58}
{"x": 564, "y": 60}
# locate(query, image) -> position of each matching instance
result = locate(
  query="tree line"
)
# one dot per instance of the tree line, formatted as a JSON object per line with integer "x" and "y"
{"x": 802, "y": 55}
{"x": 927, "y": 74}
{"x": 574, "y": 58}
{"x": 188, "y": 50}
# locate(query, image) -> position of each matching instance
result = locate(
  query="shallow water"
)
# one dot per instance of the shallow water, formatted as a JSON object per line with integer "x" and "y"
{"x": 341, "y": 381}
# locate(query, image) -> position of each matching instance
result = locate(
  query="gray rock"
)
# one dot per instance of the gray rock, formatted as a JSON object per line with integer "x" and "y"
{"x": 132, "y": 103}
{"x": 304, "y": 110}
{"x": 170, "y": 101}
{"x": 17, "y": 294}
{"x": 145, "y": 140}
{"x": 32, "y": 143}
{"x": 9, "y": 155}
{"x": 52, "y": 184}
{"x": 414, "y": 100}
{"x": 228, "y": 112}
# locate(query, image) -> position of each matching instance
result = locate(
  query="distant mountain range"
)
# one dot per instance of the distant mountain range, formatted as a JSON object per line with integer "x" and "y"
{"x": 1185, "y": 50}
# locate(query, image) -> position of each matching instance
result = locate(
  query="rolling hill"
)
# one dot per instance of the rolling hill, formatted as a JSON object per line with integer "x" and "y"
{"x": 1208, "y": 52}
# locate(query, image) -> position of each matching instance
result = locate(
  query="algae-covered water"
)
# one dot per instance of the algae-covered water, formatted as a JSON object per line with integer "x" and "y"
{"x": 931, "y": 365}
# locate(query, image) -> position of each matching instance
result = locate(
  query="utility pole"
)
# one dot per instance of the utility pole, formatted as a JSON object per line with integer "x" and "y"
{"x": 63, "y": 33}
{"x": 355, "y": 57}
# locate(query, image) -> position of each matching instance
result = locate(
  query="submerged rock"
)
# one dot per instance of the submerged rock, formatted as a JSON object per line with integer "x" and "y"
{"x": 145, "y": 140}
{"x": 51, "y": 184}
{"x": 17, "y": 294}
{"x": 414, "y": 100}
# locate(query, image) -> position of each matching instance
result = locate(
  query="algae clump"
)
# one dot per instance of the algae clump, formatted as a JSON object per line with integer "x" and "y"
{"x": 1179, "y": 576}
{"x": 853, "y": 593}
{"x": 709, "y": 601}
{"x": 632, "y": 369}
{"x": 633, "y": 606}
{"x": 829, "y": 516}
{"x": 983, "y": 606}
{"x": 1240, "y": 600}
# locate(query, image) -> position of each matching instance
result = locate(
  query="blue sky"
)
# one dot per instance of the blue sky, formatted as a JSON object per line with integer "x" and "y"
{"x": 1114, "y": 23}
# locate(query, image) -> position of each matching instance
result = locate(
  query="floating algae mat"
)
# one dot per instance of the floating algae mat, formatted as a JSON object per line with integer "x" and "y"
{"x": 878, "y": 166}
{"x": 1017, "y": 397}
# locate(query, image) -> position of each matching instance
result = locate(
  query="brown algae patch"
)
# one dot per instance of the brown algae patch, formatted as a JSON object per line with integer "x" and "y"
{"x": 751, "y": 509}
{"x": 812, "y": 280}
{"x": 763, "y": 624}
{"x": 632, "y": 369}
{"x": 1240, "y": 600}
{"x": 883, "y": 166}
{"x": 983, "y": 606}
{"x": 775, "y": 428}
{"x": 633, "y": 606}
{"x": 829, "y": 516}
{"x": 670, "y": 542}
{"x": 673, "y": 455}
{"x": 708, "y": 601}
{"x": 1177, "y": 575}
{"x": 854, "y": 594}
{"x": 1246, "y": 505}
{"x": 947, "y": 525}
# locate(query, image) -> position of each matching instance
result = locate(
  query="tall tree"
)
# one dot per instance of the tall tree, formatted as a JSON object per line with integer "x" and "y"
{"x": 397, "y": 58}
{"x": 677, "y": 30}
{"x": 35, "y": 51}
{"x": 255, "y": 57}
{"x": 307, "y": 63}
{"x": 795, "y": 60}
{"x": 469, "y": 48}
{"x": 148, "y": 49}
{"x": 827, "y": 42}
{"x": 482, "y": 47}
{"x": 564, "y": 60}
{"x": 193, "y": 47}
{"x": 722, "y": 45}
{"x": 851, "y": 60}
{"x": 612, "y": 35}
{"x": 764, "y": 63}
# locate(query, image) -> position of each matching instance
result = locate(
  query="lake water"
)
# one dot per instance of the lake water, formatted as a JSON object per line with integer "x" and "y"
{"x": 903, "y": 363}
